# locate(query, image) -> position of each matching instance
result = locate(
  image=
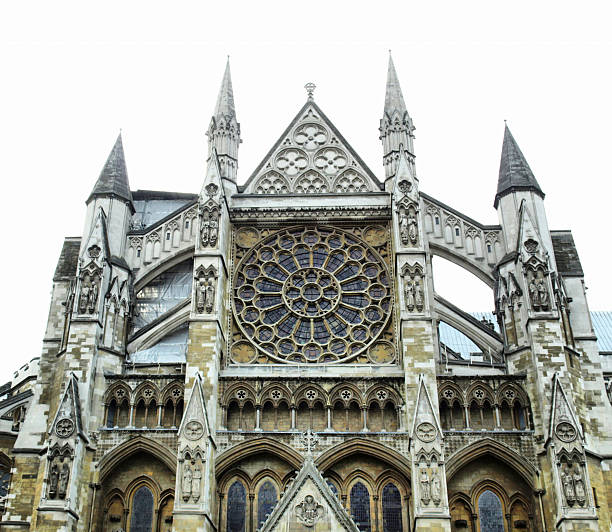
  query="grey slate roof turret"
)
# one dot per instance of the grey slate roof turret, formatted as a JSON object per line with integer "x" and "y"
{"x": 113, "y": 180}
{"x": 514, "y": 171}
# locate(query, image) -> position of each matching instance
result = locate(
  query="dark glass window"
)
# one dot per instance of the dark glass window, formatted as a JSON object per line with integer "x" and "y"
{"x": 111, "y": 413}
{"x": 236, "y": 508}
{"x": 5, "y": 476}
{"x": 392, "y": 509}
{"x": 266, "y": 500}
{"x": 142, "y": 511}
{"x": 490, "y": 513}
{"x": 360, "y": 507}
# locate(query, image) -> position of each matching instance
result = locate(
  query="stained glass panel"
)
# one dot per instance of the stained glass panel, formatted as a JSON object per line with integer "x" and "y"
{"x": 236, "y": 508}
{"x": 266, "y": 501}
{"x": 392, "y": 509}
{"x": 360, "y": 507}
{"x": 490, "y": 513}
{"x": 142, "y": 511}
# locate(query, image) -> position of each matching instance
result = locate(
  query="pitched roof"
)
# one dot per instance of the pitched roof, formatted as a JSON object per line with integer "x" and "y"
{"x": 566, "y": 255}
{"x": 69, "y": 257}
{"x": 113, "y": 180}
{"x": 394, "y": 99}
{"x": 514, "y": 171}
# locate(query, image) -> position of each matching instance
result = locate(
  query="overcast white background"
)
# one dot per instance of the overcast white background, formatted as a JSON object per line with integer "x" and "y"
{"x": 73, "y": 73}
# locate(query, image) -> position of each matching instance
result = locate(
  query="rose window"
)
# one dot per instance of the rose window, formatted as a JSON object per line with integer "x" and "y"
{"x": 330, "y": 160}
{"x": 291, "y": 161}
{"x": 311, "y": 295}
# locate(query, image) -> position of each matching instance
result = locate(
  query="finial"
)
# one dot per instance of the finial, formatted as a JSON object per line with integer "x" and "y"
{"x": 309, "y": 440}
{"x": 310, "y": 87}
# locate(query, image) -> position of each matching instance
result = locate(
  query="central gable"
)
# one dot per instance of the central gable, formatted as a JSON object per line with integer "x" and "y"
{"x": 311, "y": 157}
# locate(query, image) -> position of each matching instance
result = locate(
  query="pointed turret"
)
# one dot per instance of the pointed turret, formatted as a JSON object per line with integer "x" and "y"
{"x": 514, "y": 172}
{"x": 396, "y": 128}
{"x": 113, "y": 180}
{"x": 224, "y": 130}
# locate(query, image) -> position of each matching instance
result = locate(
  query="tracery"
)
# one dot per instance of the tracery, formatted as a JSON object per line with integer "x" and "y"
{"x": 311, "y": 295}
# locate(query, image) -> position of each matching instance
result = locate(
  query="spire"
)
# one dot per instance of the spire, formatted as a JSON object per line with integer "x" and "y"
{"x": 113, "y": 180}
{"x": 224, "y": 130}
{"x": 396, "y": 128}
{"x": 394, "y": 99}
{"x": 514, "y": 172}
{"x": 225, "y": 100}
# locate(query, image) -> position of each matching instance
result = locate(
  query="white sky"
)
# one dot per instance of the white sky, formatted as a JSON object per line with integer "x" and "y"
{"x": 73, "y": 73}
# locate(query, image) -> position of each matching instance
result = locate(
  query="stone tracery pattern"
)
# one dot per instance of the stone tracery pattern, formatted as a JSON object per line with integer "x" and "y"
{"x": 312, "y": 295}
{"x": 311, "y": 160}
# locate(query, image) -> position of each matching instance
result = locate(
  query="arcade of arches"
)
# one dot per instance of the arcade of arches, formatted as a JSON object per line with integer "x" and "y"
{"x": 485, "y": 494}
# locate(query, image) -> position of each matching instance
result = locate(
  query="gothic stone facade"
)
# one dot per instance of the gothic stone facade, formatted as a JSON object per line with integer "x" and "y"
{"x": 267, "y": 356}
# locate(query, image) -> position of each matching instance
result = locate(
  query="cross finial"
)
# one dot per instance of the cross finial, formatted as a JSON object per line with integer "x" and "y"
{"x": 309, "y": 439}
{"x": 310, "y": 87}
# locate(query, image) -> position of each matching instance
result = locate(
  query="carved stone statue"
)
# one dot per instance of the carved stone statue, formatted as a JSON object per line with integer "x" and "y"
{"x": 205, "y": 293}
{"x": 412, "y": 229}
{"x": 579, "y": 488}
{"x": 568, "y": 487}
{"x": 197, "y": 482}
{"x": 409, "y": 294}
{"x": 413, "y": 293}
{"x": 209, "y": 232}
{"x": 403, "y": 227}
{"x": 84, "y": 298}
{"x": 63, "y": 480}
{"x": 538, "y": 292}
{"x": 93, "y": 298}
{"x": 186, "y": 484}
{"x": 214, "y": 232}
{"x": 209, "y": 297}
{"x": 418, "y": 294}
{"x": 53, "y": 480}
{"x": 200, "y": 297}
{"x": 435, "y": 488}
{"x": 425, "y": 487}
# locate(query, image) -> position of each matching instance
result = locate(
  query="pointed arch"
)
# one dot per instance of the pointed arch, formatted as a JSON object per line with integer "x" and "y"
{"x": 363, "y": 446}
{"x": 232, "y": 456}
{"x": 131, "y": 447}
{"x": 490, "y": 447}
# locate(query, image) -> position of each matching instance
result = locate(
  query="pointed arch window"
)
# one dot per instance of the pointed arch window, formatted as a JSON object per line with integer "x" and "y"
{"x": 360, "y": 507}
{"x": 266, "y": 501}
{"x": 236, "y": 508}
{"x": 142, "y": 511}
{"x": 490, "y": 512}
{"x": 392, "y": 509}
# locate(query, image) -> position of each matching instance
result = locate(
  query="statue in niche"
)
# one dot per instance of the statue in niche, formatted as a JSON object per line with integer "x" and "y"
{"x": 88, "y": 298}
{"x": 63, "y": 480}
{"x": 568, "y": 486}
{"x": 205, "y": 292}
{"x": 197, "y": 481}
{"x": 186, "y": 484}
{"x": 412, "y": 228}
{"x": 579, "y": 488}
{"x": 409, "y": 293}
{"x": 209, "y": 233}
{"x": 413, "y": 292}
{"x": 538, "y": 292}
{"x": 53, "y": 480}
{"x": 408, "y": 227}
{"x": 425, "y": 487}
{"x": 435, "y": 488}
